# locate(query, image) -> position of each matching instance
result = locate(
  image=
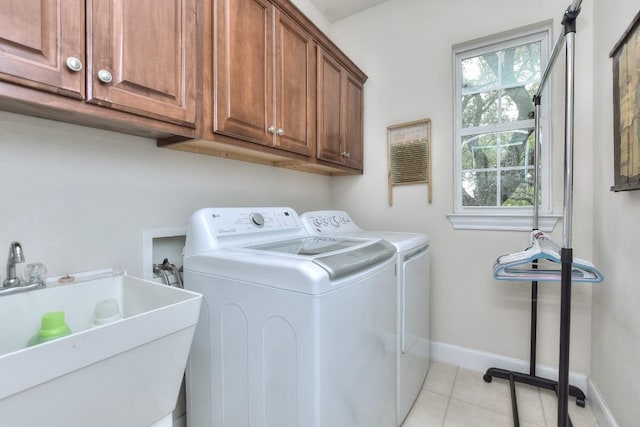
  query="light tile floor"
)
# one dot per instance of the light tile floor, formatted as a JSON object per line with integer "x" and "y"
{"x": 457, "y": 397}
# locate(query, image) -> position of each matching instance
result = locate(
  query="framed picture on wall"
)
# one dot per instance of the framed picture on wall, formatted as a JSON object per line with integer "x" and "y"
{"x": 626, "y": 109}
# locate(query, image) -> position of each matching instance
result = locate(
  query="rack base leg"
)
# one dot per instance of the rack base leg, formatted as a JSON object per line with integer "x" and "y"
{"x": 514, "y": 402}
{"x": 534, "y": 381}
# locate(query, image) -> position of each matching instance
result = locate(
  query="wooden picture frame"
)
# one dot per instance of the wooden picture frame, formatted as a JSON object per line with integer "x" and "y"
{"x": 626, "y": 108}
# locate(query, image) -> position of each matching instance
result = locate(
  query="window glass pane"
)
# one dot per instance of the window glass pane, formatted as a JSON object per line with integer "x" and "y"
{"x": 479, "y": 188}
{"x": 521, "y": 64}
{"x": 516, "y": 188}
{"x": 480, "y": 109}
{"x": 516, "y": 103}
{"x": 517, "y": 148}
{"x": 479, "y": 72}
{"x": 479, "y": 151}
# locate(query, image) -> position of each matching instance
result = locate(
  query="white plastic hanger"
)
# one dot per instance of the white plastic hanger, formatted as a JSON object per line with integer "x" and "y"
{"x": 518, "y": 266}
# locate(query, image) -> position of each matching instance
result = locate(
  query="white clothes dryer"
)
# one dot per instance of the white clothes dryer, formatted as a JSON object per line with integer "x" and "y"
{"x": 295, "y": 330}
{"x": 413, "y": 297}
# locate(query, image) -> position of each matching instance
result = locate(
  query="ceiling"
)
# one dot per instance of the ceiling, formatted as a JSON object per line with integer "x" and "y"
{"x": 334, "y": 10}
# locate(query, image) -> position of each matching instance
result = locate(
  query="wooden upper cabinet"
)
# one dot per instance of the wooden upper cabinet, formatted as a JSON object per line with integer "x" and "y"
{"x": 264, "y": 68}
{"x": 144, "y": 57}
{"x": 243, "y": 79}
{"x": 36, "y": 39}
{"x": 353, "y": 121}
{"x": 329, "y": 113}
{"x": 295, "y": 86}
{"x": 340, "y": 106}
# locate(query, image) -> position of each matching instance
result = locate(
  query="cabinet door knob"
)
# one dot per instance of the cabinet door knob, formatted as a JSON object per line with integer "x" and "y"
{"x": 345, "y": 154}
{"x": 280, "y": 132}
{"x": 74, "y": 64}
{"x": 105, "y": 76}
{"x": 271, "y": 129}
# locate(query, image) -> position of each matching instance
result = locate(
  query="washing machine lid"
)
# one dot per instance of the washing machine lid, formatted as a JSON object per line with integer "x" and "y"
{"x": 276, "y": 266}
{"x": 310, "y": 246}
{"x": 338, "y": 256}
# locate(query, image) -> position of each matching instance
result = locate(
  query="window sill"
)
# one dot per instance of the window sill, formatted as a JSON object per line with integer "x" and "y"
{"x": 502, "y": 222}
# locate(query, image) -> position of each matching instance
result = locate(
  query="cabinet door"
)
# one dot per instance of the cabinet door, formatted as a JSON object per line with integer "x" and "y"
{"x": 352, "y": 109}
{"x": 36, "y": 38}
{"x": 243, "y": 70}
{"x": 295, "y": 86}
{"x": 144, "y": 57}
{"x": 329, "y": 107}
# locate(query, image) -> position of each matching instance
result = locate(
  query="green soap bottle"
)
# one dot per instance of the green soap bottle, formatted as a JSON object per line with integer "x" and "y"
{"x": 52, "y": 326}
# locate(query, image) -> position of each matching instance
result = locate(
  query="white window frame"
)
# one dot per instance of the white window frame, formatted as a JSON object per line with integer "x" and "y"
{"x": 503, "y": 218}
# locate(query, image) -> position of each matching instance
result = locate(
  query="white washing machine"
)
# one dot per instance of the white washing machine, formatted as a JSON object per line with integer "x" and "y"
{"x": 295, "y": 330}
{"x": 413, "y": 288}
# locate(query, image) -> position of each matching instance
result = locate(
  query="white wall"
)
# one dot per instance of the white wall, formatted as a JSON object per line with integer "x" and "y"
{"x": 616, "y": 322}
{"x": 405, "y": 48}
{"x": 312, "y": 12}
{"x": 79, "y": 199}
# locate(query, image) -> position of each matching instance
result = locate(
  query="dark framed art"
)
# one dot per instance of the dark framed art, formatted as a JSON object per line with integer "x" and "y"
{"x": 626, "y": 109}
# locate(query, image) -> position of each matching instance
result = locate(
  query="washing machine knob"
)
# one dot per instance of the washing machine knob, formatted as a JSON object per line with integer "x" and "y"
{"x": 317, "y": 222}
{"x": 257, "y": 219}
{"x": 335, "y": 221}
{"x": 344, "y": 220}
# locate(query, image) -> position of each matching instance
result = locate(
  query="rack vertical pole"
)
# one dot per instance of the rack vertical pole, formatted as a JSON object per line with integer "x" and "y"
{"x": 566, "y": 253}
{"x": 536, "y": 195}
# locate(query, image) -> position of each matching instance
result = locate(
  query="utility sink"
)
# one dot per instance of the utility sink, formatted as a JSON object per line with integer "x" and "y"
{"x": 124, "y": 373}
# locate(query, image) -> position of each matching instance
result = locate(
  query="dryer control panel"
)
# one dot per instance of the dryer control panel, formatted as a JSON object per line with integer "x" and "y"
{"x": 329, "y": 222}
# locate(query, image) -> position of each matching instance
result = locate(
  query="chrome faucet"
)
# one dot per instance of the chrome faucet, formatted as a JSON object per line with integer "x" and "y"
{"x": 15, "y": 256}
{"x": 13, "y": 284}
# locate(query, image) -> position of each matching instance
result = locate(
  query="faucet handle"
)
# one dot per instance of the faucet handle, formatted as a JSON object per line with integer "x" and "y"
{"x": 15, "y": 256}
{"x": 15, "y": 252}
{"x": 35, "y": 273}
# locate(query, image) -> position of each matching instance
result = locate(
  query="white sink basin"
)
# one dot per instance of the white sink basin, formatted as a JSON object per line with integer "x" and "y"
{"x": 125, "y": 373}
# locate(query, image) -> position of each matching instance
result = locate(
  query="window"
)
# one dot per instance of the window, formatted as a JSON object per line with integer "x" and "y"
{"x": 495, "y": 81}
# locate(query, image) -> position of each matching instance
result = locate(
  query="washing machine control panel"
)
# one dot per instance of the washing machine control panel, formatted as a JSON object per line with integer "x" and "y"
{"x": 257, "y": 219}
{"x": 232, "y": 221}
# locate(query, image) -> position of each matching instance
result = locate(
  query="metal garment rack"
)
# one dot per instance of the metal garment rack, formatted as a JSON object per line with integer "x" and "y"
{"x": 561, "y": 387}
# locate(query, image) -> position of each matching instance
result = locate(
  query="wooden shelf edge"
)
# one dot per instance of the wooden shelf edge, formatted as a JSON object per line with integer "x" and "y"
{"x": 35, "y": 103}
{"x": 268, "y": 156}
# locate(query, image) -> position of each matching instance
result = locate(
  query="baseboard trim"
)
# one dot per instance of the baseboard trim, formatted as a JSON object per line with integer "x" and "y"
{"x": 480, "y": 361}
{"x": 599, "y": 407}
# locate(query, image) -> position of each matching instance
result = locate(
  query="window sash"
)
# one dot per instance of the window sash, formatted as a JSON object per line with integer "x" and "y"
{"x": 483, "y": 47}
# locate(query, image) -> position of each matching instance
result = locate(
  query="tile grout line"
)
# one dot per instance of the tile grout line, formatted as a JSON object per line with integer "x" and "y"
{"x": 453, "y": 384}
{"x": 494, "y": 411}
{"x": 539, "y": 397}
{"x": 544, "y": 413}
